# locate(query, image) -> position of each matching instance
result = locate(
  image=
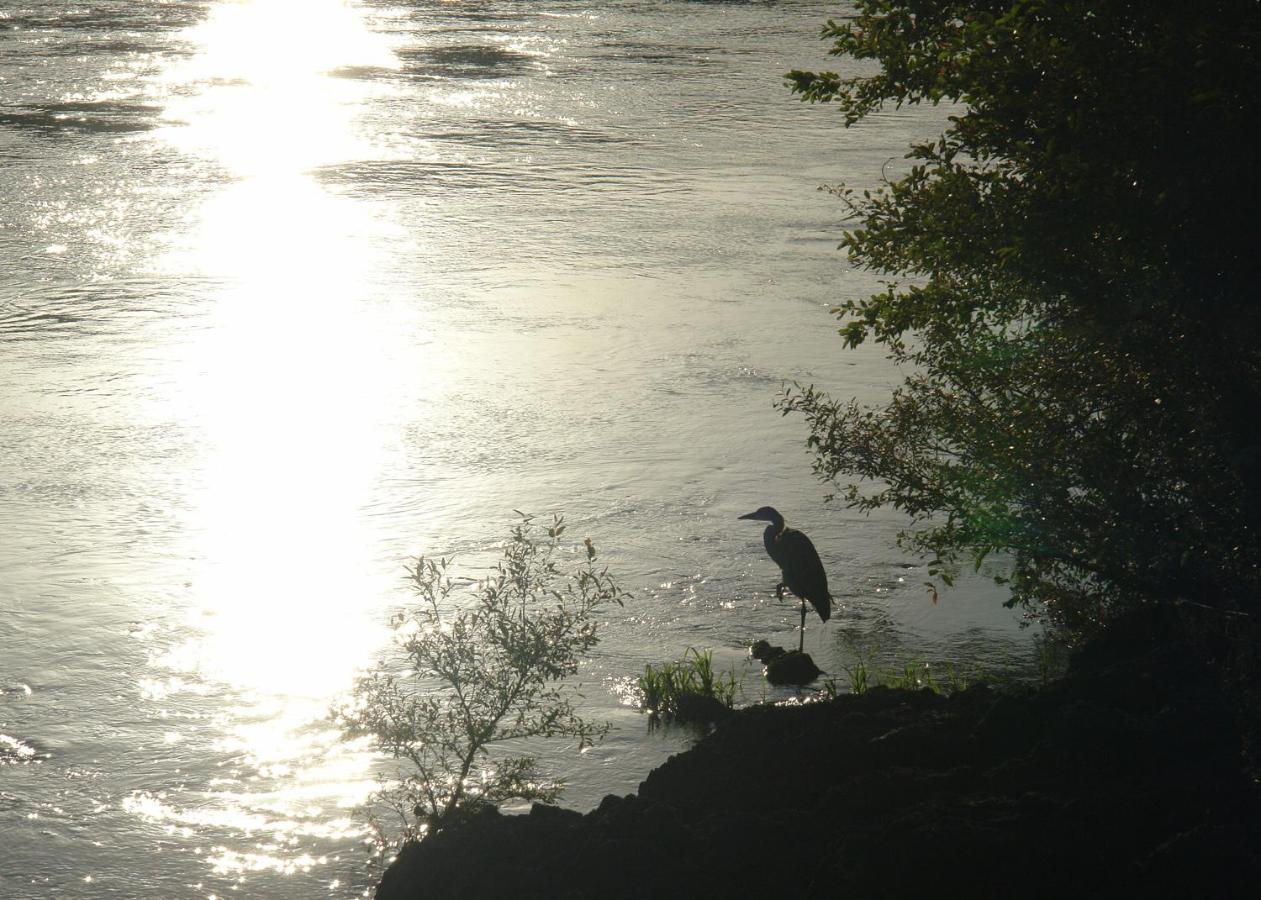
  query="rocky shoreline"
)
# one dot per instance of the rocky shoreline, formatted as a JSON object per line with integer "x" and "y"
{"x": 1124, "y": 778}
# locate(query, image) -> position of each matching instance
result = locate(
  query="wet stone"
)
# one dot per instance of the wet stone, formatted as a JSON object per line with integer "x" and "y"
{"x": 793, "y": 667}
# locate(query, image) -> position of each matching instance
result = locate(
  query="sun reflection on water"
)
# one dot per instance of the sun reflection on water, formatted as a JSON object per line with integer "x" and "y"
{"x": 257, "y": 94}
{"x": 284, "y": 375}
{"x": 281, "y": 377}
{"x": 286, "y": 392}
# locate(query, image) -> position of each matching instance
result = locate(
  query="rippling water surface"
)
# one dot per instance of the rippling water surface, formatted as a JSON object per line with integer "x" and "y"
{"x": 293, "y": 290}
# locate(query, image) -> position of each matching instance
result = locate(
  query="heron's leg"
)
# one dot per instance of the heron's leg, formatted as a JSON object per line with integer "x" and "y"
{"x": 801, "y": 640}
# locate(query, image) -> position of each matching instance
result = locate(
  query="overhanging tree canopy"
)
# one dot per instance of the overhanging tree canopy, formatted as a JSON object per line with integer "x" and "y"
{"x": 1073, "y": 268}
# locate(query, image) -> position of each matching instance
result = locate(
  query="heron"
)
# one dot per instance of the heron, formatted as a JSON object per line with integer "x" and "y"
{"x": 799, "y": 564}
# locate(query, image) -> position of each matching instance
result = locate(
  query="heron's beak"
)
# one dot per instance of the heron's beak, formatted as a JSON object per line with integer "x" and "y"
{"x": 751, "y": 515}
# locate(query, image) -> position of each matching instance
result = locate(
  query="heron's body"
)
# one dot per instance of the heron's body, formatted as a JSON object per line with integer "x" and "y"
{"x": 801, "y": 567}
{"x": 799, "y": 562}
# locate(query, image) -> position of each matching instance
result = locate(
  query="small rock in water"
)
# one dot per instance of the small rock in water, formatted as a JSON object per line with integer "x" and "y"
{"x": 793, "y": 667}
{"x": 764, "y": 651}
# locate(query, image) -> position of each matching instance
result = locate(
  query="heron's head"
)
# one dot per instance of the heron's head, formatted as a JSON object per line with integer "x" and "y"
{"x": 764, "y": 514}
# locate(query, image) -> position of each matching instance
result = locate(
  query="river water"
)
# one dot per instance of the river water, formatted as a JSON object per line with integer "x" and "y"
{"x": 294, "y": 290}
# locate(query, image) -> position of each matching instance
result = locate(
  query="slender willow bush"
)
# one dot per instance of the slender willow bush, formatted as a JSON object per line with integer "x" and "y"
{"x": 473, "y": 677}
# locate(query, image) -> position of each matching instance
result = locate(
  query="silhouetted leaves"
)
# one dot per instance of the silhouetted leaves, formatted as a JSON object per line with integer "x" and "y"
{"x": 1072, "y": 267}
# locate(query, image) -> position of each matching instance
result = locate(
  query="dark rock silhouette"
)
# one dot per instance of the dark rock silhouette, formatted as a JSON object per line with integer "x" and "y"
{"x": 1123, "y": 779}
{"x": 793, "y": 667}
{"x": 784, "y": 667}
{"x": 699, "y": 709}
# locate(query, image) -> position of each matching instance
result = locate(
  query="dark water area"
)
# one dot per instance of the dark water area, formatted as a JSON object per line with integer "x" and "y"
{"x": 293, "y": 292}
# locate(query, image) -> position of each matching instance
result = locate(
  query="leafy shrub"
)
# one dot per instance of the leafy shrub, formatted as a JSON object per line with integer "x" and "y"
{"x": 479, "y": 677}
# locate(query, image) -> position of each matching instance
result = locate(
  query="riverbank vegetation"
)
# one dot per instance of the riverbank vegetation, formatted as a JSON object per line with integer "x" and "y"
{"x": 1071, "y": 274}
{"x": 1120, "y": 779}
{"x": 1071, "y": 271}
{"x": 474, "y": 679}
{"x": 1071, "y": 268}
{"x": 688, "y": 689}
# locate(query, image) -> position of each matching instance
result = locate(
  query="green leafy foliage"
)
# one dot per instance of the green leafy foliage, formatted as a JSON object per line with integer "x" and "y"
{"x": 1071, "y": 288}
{"x": 668, "y": 688}
{"x": 475, "y": 676}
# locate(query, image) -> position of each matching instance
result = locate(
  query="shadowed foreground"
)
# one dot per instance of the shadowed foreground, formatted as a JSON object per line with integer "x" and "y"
{"x": 1123, "y": 779}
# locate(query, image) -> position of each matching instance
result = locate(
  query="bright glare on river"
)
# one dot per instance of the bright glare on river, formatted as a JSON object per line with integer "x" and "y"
{"x": 294, "y": 290}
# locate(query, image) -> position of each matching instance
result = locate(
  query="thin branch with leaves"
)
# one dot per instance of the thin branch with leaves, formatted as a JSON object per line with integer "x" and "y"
{"x": 473, "y": 677}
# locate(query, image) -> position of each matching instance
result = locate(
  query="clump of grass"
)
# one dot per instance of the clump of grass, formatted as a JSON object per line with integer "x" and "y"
{"x": 860, "y": 672}
{"x": 864, "y": 674}
{"x": 869, "y": 668}
{"x": 913, "y": 677}
{"x": 859, "y": 678}
{"x": 689, "y": 688}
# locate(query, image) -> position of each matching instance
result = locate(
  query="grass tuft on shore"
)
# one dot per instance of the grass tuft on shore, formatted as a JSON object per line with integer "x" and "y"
{"x": 688, "y": 688}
